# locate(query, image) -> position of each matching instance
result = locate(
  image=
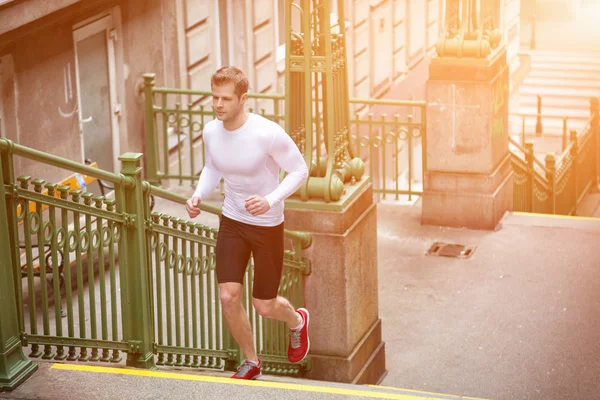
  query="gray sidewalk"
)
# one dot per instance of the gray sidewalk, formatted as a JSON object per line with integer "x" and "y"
{"x": 518, "y": 320}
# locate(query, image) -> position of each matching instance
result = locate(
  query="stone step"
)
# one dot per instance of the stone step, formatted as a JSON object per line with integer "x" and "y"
{"x": 562, "y": 66}
{"x": 558, "y": 112}
{"x": 562, "y": 82}
{"x": 550, "y": 120}
{"x": 550, "y": 126}
{"x": 565, "y": 58}
{"x": 590, "y": 205}
{"x": 583, "y": 93}
{"x": 566, "y": 103}
{"x": 575, "y": 74}
{"x": 113, "y": 382}
{"x": 587, "y": 224}
{"x": 572, "y": 54}
{"x": 542, "y": 145}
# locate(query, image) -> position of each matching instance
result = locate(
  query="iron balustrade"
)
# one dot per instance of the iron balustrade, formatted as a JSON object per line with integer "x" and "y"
{"x": 559, "y": 185}
{"x": 137, "y": 282}
{"x": 175, "y": 150}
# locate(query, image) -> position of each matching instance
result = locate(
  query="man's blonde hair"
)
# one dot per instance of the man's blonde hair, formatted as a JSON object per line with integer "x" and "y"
{"x": 233, "y": 75}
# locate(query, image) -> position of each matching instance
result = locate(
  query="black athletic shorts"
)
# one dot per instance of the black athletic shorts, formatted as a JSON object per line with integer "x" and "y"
{"x": 236, "y": 240}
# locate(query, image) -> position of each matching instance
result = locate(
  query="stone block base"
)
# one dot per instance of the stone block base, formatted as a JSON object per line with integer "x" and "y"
{"x": 341, "y": 291}
{"x": 474, "y": 201}
{"x": 365, "y": 365}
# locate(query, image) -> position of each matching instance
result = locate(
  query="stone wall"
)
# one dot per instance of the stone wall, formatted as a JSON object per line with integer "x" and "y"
{"x": 40, "y": 86}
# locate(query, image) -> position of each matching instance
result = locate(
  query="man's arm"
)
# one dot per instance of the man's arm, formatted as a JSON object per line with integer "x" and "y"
{"x": 286, "y": 154}
{"x": 209, "y": 179}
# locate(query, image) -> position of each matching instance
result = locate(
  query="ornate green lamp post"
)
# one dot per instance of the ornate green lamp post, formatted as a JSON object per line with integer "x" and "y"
{"x": 335, "y": 205}
{"x": 317, "y": 106}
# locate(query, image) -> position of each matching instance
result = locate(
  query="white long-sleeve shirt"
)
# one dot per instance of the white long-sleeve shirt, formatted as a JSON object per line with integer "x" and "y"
{"x": 249, "y": 159}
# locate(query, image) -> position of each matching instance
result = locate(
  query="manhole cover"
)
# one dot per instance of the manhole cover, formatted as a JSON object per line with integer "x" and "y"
{"x": 450, "y": 250}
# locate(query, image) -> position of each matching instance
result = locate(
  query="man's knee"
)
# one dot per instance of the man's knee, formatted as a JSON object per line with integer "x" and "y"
{"x": 230, "y": 294}
{"x": 264, "y": 307}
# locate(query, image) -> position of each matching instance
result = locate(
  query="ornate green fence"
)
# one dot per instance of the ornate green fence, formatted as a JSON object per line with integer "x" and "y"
{"x": 189, "y": 327}
{"x": 97, "y": 277}
{"x": 382, "y": 132}
{"x": 386, "y": 134}
{"x": 559, "y": 185}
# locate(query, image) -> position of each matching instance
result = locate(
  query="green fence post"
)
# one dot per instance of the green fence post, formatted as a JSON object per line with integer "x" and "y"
{"x": 551, "y": 177}
{"x": 151, "y": 162}
{"x": 15, "y": 368}
{"x": 133, "y": 263}
{"x": 595, "y": 127}
{"x": 529, "y": 157}
{"x": 574, "y": 156}
{"x": 538, "y": 120}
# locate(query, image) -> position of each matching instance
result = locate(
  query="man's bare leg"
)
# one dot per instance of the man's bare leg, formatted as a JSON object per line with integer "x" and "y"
{"x": 278, "y": 308}
{"x": 237, "y": 319}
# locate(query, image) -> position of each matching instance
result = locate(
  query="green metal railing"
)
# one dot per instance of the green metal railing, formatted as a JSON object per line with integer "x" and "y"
{"x": 538, "y": 117}
{"x": 189, "y": 326}
{"x": 175, "y": 150}
{"x": 135, "y": 281}
{"x": 382, "y": 131}
{"x": 559, "y": 185}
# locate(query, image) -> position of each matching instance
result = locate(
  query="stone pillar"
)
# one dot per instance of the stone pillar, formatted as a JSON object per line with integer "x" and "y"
{"x": 468, "y": 182}
{"x": 341, "y": 293}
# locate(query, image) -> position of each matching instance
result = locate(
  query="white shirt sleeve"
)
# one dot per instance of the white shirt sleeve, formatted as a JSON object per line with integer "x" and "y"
{"x": 287, "y": 155}
{"x": 209, "y": 177}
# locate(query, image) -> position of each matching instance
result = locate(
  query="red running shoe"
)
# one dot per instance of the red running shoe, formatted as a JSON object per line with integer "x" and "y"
{"x": 299, "y": 342}
{"x": 247, "y": 371}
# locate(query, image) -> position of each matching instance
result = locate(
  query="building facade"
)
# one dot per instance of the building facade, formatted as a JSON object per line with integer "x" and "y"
{"x": 71, "y": 71}
{"x": 70, "y": 74}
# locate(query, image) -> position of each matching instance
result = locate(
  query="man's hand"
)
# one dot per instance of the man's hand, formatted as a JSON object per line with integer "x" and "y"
{"x": 192, "y": 206}
{"x": 257, "y": 205}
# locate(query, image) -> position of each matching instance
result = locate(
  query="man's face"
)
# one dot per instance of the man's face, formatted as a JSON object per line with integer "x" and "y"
{"x": 226, "y": 103}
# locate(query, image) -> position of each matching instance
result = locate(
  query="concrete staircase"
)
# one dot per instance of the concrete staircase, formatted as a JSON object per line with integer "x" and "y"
{"x": 106, "y": 382}
{"x": 565, "y": 81}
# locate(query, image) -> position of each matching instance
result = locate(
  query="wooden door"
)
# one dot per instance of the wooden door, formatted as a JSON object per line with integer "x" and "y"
{"x": 98, "y": 106}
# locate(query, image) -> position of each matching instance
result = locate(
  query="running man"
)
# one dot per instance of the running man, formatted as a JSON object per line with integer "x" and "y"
{"x": 248, "y": 150}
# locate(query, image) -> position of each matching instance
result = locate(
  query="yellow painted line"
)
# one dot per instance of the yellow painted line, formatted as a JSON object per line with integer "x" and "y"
{"x": 253, "y": 383}
{"x": 576, "y": 217}
{"x": 422, "y": 392}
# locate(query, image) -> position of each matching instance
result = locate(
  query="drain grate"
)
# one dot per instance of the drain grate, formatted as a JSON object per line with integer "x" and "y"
{"x": 450, "y": 250}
